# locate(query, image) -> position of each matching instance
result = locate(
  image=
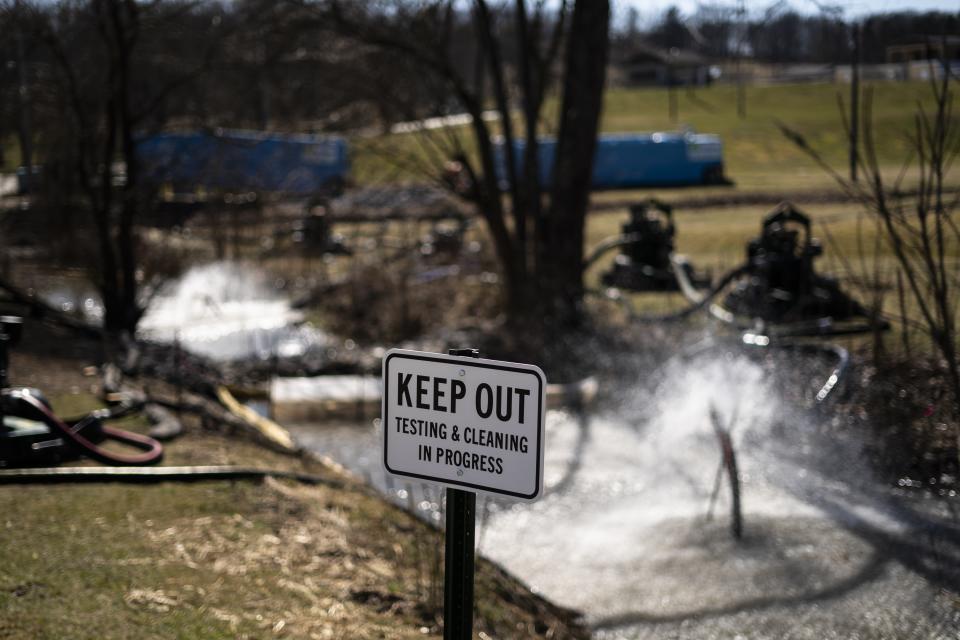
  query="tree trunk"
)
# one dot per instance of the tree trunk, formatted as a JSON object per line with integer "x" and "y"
{"x": 122, "y": 24}
{"x": 560, "y": 272}
{"x": 24, "y": 128}
{"x": 531, "y": 81}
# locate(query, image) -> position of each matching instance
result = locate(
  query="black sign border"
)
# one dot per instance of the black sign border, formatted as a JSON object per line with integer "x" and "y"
{"x": 469, "y": 362}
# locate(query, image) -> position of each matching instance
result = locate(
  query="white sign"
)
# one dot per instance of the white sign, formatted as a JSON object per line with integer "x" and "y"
{"x": 464, "y": 422}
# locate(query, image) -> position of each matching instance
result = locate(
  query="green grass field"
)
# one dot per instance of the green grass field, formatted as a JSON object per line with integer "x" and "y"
{"x": 757, "y": 156}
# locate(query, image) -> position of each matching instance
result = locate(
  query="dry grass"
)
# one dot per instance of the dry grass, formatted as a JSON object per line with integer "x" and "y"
{"x": 757, "y": 156}
{"x": 231, "y": 560}
{"x": 225, "y": 559}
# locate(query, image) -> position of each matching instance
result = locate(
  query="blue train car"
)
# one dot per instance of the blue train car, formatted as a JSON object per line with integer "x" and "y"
{"x": 625, "y": 161}
{"x": 294, "y": 164}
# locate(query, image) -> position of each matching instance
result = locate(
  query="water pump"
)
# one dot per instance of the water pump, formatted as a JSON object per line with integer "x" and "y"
{"x": 780, "y": 285}
{"x": 20, "y": 437}
{"x": 646, "y": 261}
{"x": 31, "y": 434}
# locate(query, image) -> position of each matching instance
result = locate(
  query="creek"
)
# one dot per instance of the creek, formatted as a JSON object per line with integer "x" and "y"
{"x": 622, "y": 532}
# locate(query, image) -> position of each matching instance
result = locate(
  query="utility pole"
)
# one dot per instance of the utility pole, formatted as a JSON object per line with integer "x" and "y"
{"x": 25, "y": 127}
{"x": 672, "y": 106}
{"x": 855, "y": 99}
{"x": 741, "y": 36}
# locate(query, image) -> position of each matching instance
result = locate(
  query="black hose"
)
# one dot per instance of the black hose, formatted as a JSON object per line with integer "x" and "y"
{"x": 821, "y": 327}
{"x": 151, "y": 450}
{"x": 610, "y": 243}
{"x": 679, "y": 265}
{"x": 818, "y": 328}
{"x": 754, "y": 340}
{"x": 152, "y": 475}
{"x": 115, "y": 412}
{"x": 695, "y": 306}
{"x": 686, "y": 287}
{"x": 826, "y": 391}
{"x": 836, "y": 375}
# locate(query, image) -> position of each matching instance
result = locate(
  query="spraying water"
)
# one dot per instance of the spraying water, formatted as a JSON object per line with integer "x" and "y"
{"x": 83, "y": 301}
{"x": 622, "y": 532}
{"x": 228, "y": 311}
{"x": 627, "y": 538}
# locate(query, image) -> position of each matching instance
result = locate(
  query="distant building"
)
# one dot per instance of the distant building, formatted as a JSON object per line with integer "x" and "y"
{"x": 642, "y": 64}
{"x": 872, "y": 72}
{"x": 920, "y": 56}
{"x": 919, "y": 48}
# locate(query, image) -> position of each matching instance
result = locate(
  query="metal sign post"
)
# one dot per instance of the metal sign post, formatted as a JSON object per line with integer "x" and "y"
{"x": 458, "y": 568}
{"x": 469, "y": 424}
{"x": 459, "y": 565}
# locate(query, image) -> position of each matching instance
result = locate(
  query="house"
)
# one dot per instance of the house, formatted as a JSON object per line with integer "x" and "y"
{"x": 646, "y": 65}
{"x": 918, "y": 48}
{"x": 921, "y": 56}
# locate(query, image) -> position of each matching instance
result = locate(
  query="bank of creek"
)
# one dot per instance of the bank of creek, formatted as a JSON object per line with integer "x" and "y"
{"x": 622, "y": 532}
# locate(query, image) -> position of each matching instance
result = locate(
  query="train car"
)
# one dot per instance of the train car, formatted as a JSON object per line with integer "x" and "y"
{"x": 630, "y": 160}
{"x": 230, "y": 160}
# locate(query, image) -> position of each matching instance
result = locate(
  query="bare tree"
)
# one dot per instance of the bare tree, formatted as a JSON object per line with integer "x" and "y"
{"x": 562, "y": 247}
{"x": 15, "y": 78}
{"x": 539, "y": 245}
{"x": 111, "y": 77}
{"x": 920, "y": 227}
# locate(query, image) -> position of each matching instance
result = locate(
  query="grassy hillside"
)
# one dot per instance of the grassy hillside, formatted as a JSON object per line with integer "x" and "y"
{"x": 234, "y": 559}
{"x": 224, "y": 560}
{"x": 758, "y": 156}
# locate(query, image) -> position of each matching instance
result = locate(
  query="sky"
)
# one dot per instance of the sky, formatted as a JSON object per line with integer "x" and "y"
{"x": 650, "y": 9}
